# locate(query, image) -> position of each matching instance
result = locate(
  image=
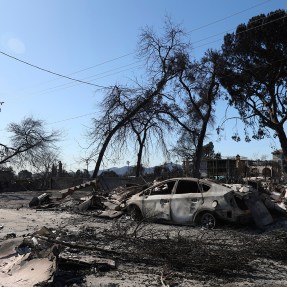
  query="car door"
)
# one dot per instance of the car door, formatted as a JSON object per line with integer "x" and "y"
{"x": 185, "y": 201}
{"x": 156, "y": 202}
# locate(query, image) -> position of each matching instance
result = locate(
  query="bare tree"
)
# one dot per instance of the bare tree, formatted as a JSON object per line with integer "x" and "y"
{"x": 121, "y": 105}
{"x": 178, "y": 89}
{"x": 201, "y": 94}
{"x": 149, "y": 127}
{"x": 195, "y": 87}
{"x": 28, "y": 141}
{"x": 198, "y": 90}
{"x": 43, "y": 164}
{"x": 185, "y": 145}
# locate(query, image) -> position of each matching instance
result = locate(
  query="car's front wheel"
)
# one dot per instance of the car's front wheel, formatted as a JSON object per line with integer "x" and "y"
{"x": 135, "y": 213}
{"x": 208, "y": 220}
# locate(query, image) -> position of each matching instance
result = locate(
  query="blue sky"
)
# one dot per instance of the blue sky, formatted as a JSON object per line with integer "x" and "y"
{"x": 95, "y": 41}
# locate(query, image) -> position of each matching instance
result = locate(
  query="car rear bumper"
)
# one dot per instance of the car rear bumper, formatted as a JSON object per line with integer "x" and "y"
{"x": 232, "y": 216}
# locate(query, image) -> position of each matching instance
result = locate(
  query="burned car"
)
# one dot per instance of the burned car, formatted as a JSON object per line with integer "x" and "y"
{"x": 189, "y": 201}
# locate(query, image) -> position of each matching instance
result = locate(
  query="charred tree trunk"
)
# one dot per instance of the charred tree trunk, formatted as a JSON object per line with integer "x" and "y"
{"x": 125, "y": 119}
{"x": 283, "y": 142}
{"x": 103, "y": 149}
{"x": 198, "y": 150}
{"x": 139, "y": 159}
{"x": 141, "y": 147}
{"x": 212, "y": 92}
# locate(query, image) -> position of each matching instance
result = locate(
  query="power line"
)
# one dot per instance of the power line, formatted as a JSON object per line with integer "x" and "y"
{"x": 50, "y": 72}
{"x": 88, "y": 83}
{"x": 264, "y": 24}
{"x": 89, "y": 114}
{"x": 81, "y": 81}
{"x": 69, "y": 85}
{"x": 128, "y": 54}
{"x": 227, "y": 17}
{"x": 241, "y": 32}
{"x": 201, "y": 27}
{"x": 105, "y": 62}
{"x": 194, "y": 48}
{"x": 80, "y": 116}
{"x": 73, "y": 118}
{"x": 227, "y": 31}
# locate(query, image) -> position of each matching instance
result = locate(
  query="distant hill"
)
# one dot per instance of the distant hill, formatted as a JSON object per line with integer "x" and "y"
{"x": 124, "y": 169}
{"x": 118, "y": 170}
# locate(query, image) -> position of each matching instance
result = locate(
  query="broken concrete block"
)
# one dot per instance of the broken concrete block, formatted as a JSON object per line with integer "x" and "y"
{"x": 36, "y": 201}
{"x": 86, "y": 204}
{"x": 44, "y": 231}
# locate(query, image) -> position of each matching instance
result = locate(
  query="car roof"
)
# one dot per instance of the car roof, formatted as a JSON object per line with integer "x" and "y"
{"x": 203, "y": 181}
{"x": 189, "y": 178}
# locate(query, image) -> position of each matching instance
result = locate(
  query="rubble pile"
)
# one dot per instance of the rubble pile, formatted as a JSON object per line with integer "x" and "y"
{"x": 50, "y": 258}
{"x": 101, "y": 203}
{"x": 26, "y": 261}
{"x": 265, "y": 201}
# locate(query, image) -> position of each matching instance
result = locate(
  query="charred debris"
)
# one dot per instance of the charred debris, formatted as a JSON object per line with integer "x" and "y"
{"x": 49, "y": 257}
{"x": 265, "y": 201}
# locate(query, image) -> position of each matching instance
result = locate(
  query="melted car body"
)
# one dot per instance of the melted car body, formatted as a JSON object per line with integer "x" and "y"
{"x": 189, "y": 201}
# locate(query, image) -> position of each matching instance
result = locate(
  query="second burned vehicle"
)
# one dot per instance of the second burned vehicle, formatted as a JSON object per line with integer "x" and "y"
{"x": 189, "y": 201}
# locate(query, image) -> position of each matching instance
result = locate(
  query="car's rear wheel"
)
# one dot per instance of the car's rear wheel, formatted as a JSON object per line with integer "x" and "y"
{"x": 135, "y": 213}
{"x": 208, "y": 220}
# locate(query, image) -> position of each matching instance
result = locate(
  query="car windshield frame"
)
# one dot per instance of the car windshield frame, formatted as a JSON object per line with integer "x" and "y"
{"x": 162, "y": 188}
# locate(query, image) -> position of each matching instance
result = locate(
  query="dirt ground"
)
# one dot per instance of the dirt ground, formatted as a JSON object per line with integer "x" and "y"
{"x": 152, "y": 254}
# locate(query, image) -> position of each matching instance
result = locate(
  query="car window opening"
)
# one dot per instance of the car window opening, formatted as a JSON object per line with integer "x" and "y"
{"x": 240, "y": 203}
{"x": 187, "y": 187}
{"x": 165, "y": 188}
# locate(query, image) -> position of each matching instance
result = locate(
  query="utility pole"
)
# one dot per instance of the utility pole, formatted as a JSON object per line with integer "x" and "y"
{"x": 87, "y": 163}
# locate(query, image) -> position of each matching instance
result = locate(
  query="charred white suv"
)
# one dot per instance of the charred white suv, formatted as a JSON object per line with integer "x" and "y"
{"x": 188, "y": 201}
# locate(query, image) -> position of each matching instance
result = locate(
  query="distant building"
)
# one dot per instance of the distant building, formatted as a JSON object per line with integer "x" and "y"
{"x": 237, "y": 167}
{"x": 278, "y": 157}
{"x": 230, "y": 167}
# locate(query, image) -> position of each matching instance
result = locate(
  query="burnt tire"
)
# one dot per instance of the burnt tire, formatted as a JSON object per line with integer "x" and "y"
{"x": 208, "y": 220}
{"x": 135, "y": 213}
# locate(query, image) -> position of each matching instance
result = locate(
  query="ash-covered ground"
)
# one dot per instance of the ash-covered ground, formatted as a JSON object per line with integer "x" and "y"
{"x": 132, "y": 253}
